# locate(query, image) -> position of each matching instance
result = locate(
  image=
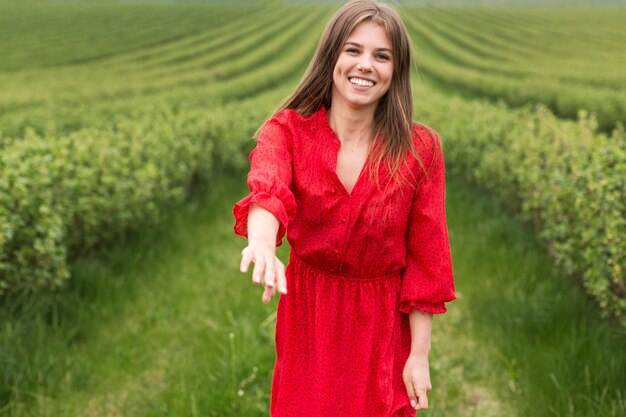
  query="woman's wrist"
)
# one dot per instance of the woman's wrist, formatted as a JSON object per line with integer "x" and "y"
{"x": 420, "y": 324}
{"x": 262, "y": 241}
{"x": 419, "y": 353}
{"x": 262, "y": 226}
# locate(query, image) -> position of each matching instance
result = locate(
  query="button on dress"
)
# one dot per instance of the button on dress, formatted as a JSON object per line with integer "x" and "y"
{"x": 360, "y": 261}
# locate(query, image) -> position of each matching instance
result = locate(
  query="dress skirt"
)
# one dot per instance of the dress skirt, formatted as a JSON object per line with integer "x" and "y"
{"x": 341, "y": 346}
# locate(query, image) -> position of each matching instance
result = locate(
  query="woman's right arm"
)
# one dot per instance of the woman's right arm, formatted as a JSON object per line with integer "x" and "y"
{"x": 261, "y": 249}
{"x": 265, "y": 214}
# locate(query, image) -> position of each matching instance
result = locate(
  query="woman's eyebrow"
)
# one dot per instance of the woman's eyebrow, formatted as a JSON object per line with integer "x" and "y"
{"x": 361, "y": 46}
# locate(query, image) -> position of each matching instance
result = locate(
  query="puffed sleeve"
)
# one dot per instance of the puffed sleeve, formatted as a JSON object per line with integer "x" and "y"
{"x": 270, "y": 177}
{"x": 427, "y": 282}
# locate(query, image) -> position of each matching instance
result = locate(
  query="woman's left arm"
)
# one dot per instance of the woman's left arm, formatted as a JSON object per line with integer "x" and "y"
{"x": 416, "y": 373}
{"x": 428, "y": 281}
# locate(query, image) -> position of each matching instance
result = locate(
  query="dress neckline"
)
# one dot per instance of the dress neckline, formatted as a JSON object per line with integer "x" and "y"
{"x": 335, "y": 155}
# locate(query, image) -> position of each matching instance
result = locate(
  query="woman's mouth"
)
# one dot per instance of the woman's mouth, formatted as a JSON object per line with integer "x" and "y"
{"x": 361, "y": 82}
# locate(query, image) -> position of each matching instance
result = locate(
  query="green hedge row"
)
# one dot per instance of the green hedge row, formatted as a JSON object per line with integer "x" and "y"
{"x": 63, "y": 196}
{"x": 564, "y": 176}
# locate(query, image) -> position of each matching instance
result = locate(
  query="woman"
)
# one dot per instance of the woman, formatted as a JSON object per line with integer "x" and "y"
{"x": 359, "y": 189}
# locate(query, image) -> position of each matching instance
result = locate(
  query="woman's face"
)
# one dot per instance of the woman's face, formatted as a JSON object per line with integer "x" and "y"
{"x": 364, "y": 69}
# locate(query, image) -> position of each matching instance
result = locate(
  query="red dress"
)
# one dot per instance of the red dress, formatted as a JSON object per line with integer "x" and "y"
{"x": 359, "y": 262}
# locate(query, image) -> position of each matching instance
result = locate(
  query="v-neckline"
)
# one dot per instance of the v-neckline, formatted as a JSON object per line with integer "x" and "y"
{"x": 335, "y": 158}
{"x": 358, "y": 180}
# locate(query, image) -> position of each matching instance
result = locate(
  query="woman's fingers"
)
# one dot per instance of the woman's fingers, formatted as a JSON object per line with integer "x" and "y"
{"x": 278, "y": 278}
{"x": 270, "y": 273}
{"x": 410, "y": 392}
{"x": 418, "y": 397}
{"x": 259, "y": 268}
{"x": 422, "y": 400}
{"x": 281, "y": 279}
{"x": 268, "y": 294}
{"x": 246, "y": 258}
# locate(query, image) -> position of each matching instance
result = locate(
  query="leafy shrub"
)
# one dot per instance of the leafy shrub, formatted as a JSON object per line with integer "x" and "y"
{"x": 563, "y": 176}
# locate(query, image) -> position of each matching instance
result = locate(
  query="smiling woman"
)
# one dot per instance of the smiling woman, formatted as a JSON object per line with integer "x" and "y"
{"x": 364, "y": 68}
{"x": 369, "y": 264}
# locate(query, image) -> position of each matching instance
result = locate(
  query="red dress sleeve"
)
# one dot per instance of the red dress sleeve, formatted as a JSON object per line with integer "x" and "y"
{"x": 427, "y": 281}
{"x": 270, "y": 177}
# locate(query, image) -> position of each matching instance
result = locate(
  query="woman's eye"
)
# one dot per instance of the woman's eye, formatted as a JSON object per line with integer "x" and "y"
{"x": 352, "y": 51}
{"x": 383, "y": 57}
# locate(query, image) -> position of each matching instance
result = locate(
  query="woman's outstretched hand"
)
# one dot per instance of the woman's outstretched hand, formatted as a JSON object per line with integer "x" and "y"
{"x": 416, "y": 377}
{"x": 268, "y": 269}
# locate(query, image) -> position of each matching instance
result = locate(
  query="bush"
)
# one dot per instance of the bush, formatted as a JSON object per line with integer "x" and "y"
{"x": 63, "y": 196}
{"x": 563, "y": 176}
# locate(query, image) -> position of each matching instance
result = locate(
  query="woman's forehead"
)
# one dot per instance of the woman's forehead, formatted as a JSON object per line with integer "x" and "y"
{"x": 369, "y": 33}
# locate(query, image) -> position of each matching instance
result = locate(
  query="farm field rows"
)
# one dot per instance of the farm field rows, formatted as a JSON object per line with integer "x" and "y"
{"x": 45, "y": 34}
{"x": 99, "y": 141}
{"x": 521, "y": 56}
{"x": 565, "y": 58}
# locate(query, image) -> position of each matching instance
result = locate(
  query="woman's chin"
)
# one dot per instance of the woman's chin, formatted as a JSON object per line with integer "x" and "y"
{"x": 361, "y": 102}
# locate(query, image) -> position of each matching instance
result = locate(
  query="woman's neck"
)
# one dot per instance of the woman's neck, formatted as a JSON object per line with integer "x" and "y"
{"x": 353, "y": 126}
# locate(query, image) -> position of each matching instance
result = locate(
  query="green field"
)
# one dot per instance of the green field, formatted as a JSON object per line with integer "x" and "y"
{"x": 124, "y": 133}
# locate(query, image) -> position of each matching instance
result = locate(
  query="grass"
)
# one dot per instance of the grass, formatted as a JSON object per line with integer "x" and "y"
{"x": 160, "y": 324}
{"x": 552, "y": 352}
{"x": 163, "y": 323}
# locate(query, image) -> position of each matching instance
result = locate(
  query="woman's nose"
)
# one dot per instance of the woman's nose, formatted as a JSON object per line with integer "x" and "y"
{"x": 364, "y": 66}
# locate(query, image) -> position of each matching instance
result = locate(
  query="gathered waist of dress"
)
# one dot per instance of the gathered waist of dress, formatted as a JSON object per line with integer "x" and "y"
{"x": 301, "y": 263}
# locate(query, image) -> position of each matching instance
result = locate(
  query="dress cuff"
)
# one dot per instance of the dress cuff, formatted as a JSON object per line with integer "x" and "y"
{"x": 435, "y": 308}
{"x": 268, "y": 202}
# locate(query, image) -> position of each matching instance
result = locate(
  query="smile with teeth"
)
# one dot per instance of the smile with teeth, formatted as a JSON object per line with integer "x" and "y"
{"x": 361, "y": 82}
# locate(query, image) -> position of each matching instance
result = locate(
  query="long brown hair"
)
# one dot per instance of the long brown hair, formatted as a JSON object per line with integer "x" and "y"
{"x": 393, "y": 116}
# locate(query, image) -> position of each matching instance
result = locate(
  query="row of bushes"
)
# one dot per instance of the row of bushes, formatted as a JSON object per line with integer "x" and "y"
{"x": 39, "y": 34}
{"x": 450, "y": 65}
{"x": 563, "y": 176}
{"x": 63, "y": 196}
{"x": 199, "y": 88}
